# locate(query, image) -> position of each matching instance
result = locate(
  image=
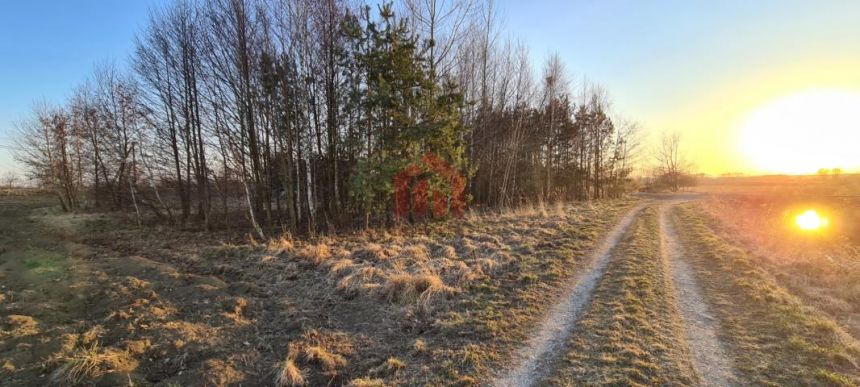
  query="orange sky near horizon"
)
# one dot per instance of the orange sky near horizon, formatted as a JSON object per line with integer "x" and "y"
{"x": 724, "y": 131}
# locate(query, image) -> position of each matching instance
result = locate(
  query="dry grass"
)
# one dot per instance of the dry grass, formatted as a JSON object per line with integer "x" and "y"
{"x": 330, "y": 362}
{"x": 366, "y": 382}
{"x": 821, "y": 268}
{"x": 341, "y": 267}
{"x": 775, "y": 339}
{"x": 782, "y": 186}
{"x": 443, "y": 299}
{"x": 20, "y": 325}
{"x": 631, "y": 333}
{"x": 389, "y": 367}
{"x": 316, "y": 253}
{"x": 90, "y": 362}
{"x": 281, "y": 245}
{"x": 407, "y": 288}
{"x": 289, "y": 375}
{"x": 421, "y": 289}
{"x": 361, "y": 279}
{"x": 8, "y": 367}
{"x": 372, "y": 252}
{"x": 457, "y": 278}
{"x": 326, "y": 351}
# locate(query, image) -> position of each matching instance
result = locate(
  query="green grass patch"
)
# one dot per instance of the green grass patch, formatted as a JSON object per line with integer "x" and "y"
{"x": 43, "y": 263}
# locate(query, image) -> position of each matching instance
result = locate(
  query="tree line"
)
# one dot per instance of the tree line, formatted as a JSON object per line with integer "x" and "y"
{"x": 300, "y": 113}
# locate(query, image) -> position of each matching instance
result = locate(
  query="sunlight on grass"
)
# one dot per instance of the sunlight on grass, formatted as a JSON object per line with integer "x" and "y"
{"x": 810, "y": 220}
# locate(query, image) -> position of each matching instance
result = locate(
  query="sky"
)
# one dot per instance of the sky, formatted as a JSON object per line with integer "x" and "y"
{"x": 704, "y": 69}
{"x": 47, "y": 48}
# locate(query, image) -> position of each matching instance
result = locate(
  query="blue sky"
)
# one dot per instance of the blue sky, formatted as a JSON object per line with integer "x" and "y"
{"x": 49, "y": 47}
{"x": 665, "y": 63}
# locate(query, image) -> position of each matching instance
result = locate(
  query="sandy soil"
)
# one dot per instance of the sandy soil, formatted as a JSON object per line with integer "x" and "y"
{"x": 710, "y": 359}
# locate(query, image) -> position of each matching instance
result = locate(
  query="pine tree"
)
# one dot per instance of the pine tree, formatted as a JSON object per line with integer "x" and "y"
{"x": 405, "y": 116}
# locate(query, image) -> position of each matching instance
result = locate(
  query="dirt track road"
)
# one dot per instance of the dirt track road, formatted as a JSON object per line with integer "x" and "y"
{"x": 537, "y": 359}
{"x": 709, "y": 356}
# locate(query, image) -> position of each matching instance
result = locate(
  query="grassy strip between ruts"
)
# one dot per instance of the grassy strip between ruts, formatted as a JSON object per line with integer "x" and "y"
{"x": 631, "y": 334}
{"x": 774, "y": 338}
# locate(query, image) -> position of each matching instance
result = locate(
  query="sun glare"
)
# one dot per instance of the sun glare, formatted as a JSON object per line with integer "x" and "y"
{"x": 801, "y": 133}
{"x": 810, "y": 221}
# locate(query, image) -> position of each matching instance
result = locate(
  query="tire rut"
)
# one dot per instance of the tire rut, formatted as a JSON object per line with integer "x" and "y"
{"x": 709, "y": 357}
{"x": 534, "y": 360}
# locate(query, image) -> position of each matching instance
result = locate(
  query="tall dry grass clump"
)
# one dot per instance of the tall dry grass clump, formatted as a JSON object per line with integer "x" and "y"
{"x": 281, "y": 245}
{"x": 330, "y": 362}
{"x": 419, "y": 288}
{"x": 415, "y": 253}
{"x": 371, "y": 252}
{"x": 289, "y": 375}
{"x": 361, "y": 279}
{"x": 325, "y": 351}
{"x": 341, "y": 267}
{"x": 315, "y": 253}
{"x": 90, "y": 362}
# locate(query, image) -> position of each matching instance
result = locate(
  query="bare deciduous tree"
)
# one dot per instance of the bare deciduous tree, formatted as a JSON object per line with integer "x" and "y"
{"x": 296, "y": 114}
{"x": 10, "y": 179}
{"x": 670, "y": 163}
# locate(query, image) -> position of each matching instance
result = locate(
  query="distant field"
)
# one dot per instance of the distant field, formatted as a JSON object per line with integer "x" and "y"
{"x": 842, "y": 185}
{"x": 822, "y": 267}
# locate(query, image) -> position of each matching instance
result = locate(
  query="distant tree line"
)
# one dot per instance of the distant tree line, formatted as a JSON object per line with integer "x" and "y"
{"x": 301, "y": 112}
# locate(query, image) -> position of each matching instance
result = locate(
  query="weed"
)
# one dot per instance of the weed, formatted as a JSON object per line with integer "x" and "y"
{"x": 315, "y": 254}
{"x": 366, "y": 382}
{"x": 91, "y": 362}
{"x": 289, "y": 375}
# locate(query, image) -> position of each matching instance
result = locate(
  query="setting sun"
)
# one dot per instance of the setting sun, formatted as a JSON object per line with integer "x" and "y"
{"x": 810, "y": 220}
{"x": 804, "y": 132}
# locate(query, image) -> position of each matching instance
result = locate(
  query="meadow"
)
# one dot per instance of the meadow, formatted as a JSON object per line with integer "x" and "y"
{"x": 436, "y": 303}
{"x": 822, "y": 266}
{"x": 720, "y": 286}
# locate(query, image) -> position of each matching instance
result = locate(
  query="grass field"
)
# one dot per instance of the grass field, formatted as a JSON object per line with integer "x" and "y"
{"x": 439, "y": 303}
{"x": 775, "y": 338}
{"x": 821, "y": 267}
{"x": 713, "y": 288}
